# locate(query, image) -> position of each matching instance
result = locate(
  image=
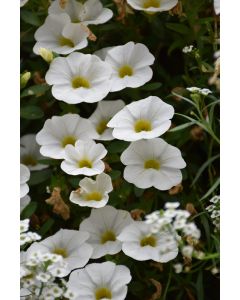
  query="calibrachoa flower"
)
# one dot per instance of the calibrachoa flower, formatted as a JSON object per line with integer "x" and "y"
{"x": 93, "y": 193}
{"x": 58, "y": 34}
{"x": 87, "y": 12}
{"x": 143, "y": 119}
{"x": 103, "y": 113}
{"x": 100, "y": 281}
{"x": 79, "y": 78}
{"x": 29, "y": 153}
{"x": 130, "y": 64}
{"x": 141, "y": 244}
{"x": 104, "y": 225}
{"x": 24, "y": 177}
{"x": 152, "y": 163}
{"x": 152, "y": 6}
{"x": 84, "y": 158}
{"x": 60, "y": 131}
{"x": 70, "y": 244}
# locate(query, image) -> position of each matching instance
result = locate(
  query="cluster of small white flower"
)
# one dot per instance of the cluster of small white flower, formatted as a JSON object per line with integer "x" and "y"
{"x": 175, "y": 222}
{"x": 38, "y": 274}
{"x": 188, "y": 49}
{"x": 27, "y": 237}
{"x": 214, "y": 211}
{"x": 200, "y": 91}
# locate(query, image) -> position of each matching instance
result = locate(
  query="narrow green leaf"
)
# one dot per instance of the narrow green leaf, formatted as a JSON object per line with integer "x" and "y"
{"x": 181, "y": 127}
{"x": 30, "y": 17}
{"x": 37, "y": 90}
{"x": 151, "y": 86}
{"x": 177, "y": 27}
{"x": 212, "y": 189}
{"x": 39, "y": 177}
{"x": 46, "y": 226}
{"x": 203, "y": 167}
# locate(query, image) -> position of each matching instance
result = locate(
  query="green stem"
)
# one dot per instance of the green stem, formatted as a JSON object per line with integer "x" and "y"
{"x": 168, "y": 284}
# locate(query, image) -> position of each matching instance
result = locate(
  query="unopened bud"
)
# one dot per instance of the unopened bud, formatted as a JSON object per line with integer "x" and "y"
{"x": 46, "y": 54}
{"x": 24, "y": 79}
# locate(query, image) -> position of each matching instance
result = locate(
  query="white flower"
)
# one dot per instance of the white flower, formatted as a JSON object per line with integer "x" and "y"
{"x": 100, "y": 281}
{"x": 23, "y": 2}
{"x": 205, "y": 92}
{"x": 24, "y": 225}
{"x": 143, "y": 119}
{"x": 58, "y": 34}
{"x": 24, "y": 177}
{"x": 60, "y": 131}
{"x": 178, "y": 268}
{"x": 29, "y": 153}
{"x": 88, "y": 12}
{"x": 101, "y": 116}
{"x": 104, "y": 225}
{"x": 215, "y": 199}
{"x": 70, "y": 244}
{"x": 217, "y": 7}
{"x": 171, "y": 205}
{"x": 192, "y": 230}
{"x": 102, "y": 53}
{"x": 141, "y": 244}
{"x": 24, "y": 201}
{"x": 152, "y": 6}
{"x": 93, "y": 193}
{"x": 79, "y": 78}
{"x": 187, "y": 251}
{"x": 84, "y": 158}
{"x": 152, "y": 163}
{"x": 188, "y": 49}
{"x": 200, "y": 91}
{"x": 130, "y": 64}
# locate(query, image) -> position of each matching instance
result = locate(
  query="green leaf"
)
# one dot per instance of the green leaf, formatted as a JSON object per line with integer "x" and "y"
{"x": 181, "y": 127}
{"x": 212, "y": 189}
{"x": 46, "y": 226}
{"x": 31, "y": 112}
{"x": 199, "y": 286}
{"x": 203, "y": 167}
{"x": 29, "y": 210}
{"x": 115, "y": 174}
{"x": 37, "y": 90}
{"x": 39, "y": 177}
{"x": 117, "y": 146}
{"x": 138, "y": 192}
{"x": 30, "y": 17}
{"x": 151, "y": 86}
{"x": 177, "y": 27}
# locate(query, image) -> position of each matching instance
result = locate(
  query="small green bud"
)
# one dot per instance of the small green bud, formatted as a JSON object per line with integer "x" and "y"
{"x": 24, "y": 79}
{"x": 195, "y": 97}
{"x": 46, "y": 54}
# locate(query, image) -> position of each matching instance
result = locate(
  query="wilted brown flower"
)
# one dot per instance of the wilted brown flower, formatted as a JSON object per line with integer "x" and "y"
{"x": 59, "y": 206}
{"x": 158, "y": 287}
{"x": 63, "y": 3}
{"x": 176, "y": 189}
{"x": 137, "y": 214}
{"x": 197, "y": 133}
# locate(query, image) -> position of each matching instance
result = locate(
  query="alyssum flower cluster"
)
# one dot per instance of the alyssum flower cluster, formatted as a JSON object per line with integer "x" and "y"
{"x": 149, "y": 160}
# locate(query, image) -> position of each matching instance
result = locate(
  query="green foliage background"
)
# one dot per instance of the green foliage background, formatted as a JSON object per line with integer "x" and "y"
{"x": 165, "y": 34}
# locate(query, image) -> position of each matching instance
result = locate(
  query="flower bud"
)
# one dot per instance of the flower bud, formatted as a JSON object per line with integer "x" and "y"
{"x": 46, "y": 54}
{"x": 24, "y": 79}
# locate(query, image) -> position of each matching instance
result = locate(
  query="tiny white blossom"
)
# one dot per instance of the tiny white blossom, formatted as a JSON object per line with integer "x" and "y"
{"x": 187, "y": 251}
{"x": 188, "y": 49}
{"x": 178, "y": 268}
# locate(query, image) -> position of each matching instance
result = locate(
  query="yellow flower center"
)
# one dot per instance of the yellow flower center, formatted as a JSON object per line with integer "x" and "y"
{"x": 142, "y": 125}
{"x": 152, "y": 164}
{"x": 94, "y": 196}
{"x": 68, "y": 140}
{"x": 65, "y": 42}
{"x": 103, "y": 293}
{"x": 78, "y": 82}
{"x": 60, "y": 251}
{"x": 102, "y": 126}
{"x": 125, "y": 71}
{"x": 85, "y": 163}
{"x": 108, "y": 236}
{"x": 151, "y": 3}
{"x": 148, "y": 241}
{"x": 28, "y": 160}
